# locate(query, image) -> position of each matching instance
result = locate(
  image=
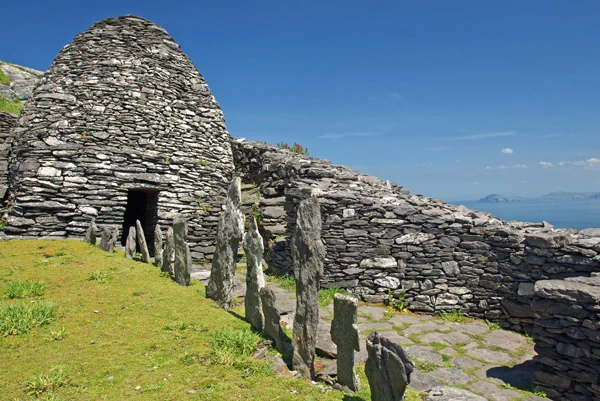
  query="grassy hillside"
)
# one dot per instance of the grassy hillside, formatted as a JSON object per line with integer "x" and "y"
{"x": 10, "y": 106}
{"x": 118, "y": 325}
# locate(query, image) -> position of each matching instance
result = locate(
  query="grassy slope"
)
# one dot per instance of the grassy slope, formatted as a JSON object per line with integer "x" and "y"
{"x": 7, "y": 105}
{"x": 131, "y": 345}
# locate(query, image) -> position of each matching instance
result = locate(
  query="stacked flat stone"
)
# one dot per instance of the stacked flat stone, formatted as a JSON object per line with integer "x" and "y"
{"x": 7, "y": 123}
{"x": 121, "y": 107}
{"x": 567, "y": 337}
{"x": 380, "y": 238}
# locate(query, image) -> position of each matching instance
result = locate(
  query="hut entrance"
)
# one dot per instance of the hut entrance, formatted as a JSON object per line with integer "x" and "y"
{"x": 142, "y": 205}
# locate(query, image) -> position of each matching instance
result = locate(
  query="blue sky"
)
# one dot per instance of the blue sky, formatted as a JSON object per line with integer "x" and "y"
{"x": 450, "y": 99}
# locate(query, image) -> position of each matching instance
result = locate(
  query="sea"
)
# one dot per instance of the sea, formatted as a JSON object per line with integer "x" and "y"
{"x": 573, "y": 213}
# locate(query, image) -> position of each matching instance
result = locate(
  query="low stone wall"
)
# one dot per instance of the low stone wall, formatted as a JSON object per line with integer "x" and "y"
{"x": 7, "y": 123}
{"x": 435, "y": 256}
{"x": 567, "y": 337}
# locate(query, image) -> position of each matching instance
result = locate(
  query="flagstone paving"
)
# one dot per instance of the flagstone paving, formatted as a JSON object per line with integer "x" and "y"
{"x": 493, "y": 363}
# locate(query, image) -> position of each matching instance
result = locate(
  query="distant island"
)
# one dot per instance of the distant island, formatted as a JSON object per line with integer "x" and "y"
{"x": 560, "y": 195}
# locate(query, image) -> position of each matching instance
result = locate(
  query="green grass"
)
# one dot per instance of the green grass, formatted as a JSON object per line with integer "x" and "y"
{"x": 326, "y": 295}
{"x": 453, "y": 316}
{"x": 492, "y": 325}
{"x": 4, "y": 79}
{"x": 164, "y": 331}
{"x": 10, "y": 106}
{"x": 57, "y": 335}
{"x": 424, "y": 366}
{"x": 24, "y": 289}
{"x": 286, "y": 282}
{"x": 20, "y": 318}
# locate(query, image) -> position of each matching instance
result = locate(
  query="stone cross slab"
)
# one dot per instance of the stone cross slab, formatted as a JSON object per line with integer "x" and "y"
{"x": 182, "y": 262}
{"x": 308, "y": 253}
{"x": 272, "y": 322}
{"x": 130, "y": 243}
{"x": 344, "y": 333}
{"x": 255, "y": 280}
{"x": 168, "y": 253}
{"x": 158, "y": 245}
{"x": 229, "y": 235}
{"x": 141, "y": 240}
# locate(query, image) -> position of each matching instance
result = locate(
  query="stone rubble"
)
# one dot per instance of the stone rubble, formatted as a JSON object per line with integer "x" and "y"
{"x": 229, "y": 235}
{"x": 308, "y": 253}
{"x": 255, "y": 280}
{"x": 388, "y": 369}
{"x": 345, "y": 334}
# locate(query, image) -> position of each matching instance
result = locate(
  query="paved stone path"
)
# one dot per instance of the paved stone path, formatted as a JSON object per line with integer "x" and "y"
{"x": 493, "y": 363}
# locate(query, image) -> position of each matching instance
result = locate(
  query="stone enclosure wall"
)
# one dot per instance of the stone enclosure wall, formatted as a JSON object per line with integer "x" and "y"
{"x": 435, "y": 256}
{"x": 121, "y": 108}
{"x": 567, "y": 335}
{"x": 7, "y": 123}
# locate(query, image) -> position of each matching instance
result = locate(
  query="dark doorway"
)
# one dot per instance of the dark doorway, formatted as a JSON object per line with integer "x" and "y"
{"x": 142, "y": 205}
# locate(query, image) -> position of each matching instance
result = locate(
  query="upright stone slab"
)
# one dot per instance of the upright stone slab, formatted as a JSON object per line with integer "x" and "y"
{"x": 141, "y": 240}
{"x": 255, "y": 280}
{"x": 168, "y": 253}
{"x": 272, "y": 320}
{"x": 158, "y": 247}
{"x": 91, "y": 233}
{"x": 130, "y": 243}
{"x": 388, "y": 369}
{"x": 308, "y": 253}
{"x": 109, "y": 238}
{"x": 344, "y": 333}
{"x": 229, "y": 235}
{"x": 181, "y": 264}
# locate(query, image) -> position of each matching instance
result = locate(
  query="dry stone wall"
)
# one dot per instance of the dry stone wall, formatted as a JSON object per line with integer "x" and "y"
{"x": 7, "y": 124}
{"x": 380, "y": 239}
{"x": 567, "y": 337}
{"x": 121, "y": 108}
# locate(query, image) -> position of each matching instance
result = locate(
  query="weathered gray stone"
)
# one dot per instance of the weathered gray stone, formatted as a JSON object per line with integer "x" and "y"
{"x": 445, "y": 393}
{"x": 569, "y": 291}
{"x": 91, "y": 233}
{"x": 548, "y": 240}
{"x": 168, "y": 253}
{"x": 229, "y": 235}
{"x": 109, "y": 238}
{"x": 141, "y": 241}
{"x": 272, "y": 319}
{"x": 181, "y": 264}
{"x": 255, "y": 280}
{"x": 388, "y": 369}
{"x": 344, "y": 333}
{"x": 130, "y": 243}
{"x": 308, "y": 253}
{"x": 158, "y": 247}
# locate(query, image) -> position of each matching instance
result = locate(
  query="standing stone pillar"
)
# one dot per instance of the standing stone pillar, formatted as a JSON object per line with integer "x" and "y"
{"x": 255, "y": 280}
{"x": 344, "y": 333}
{"x": 91, "y": 233}
{"x": 308, "y": 253}
{"x": 229, "y": 235}
{"x": 158, "y": 247}
{"x": 109, "y": 238}
{"x": 272, "y": 320}
{"x": 388, "y": 369}
{"x": 181, "y": 264}
{"x": 168, "y": 253}
{"x": 141, "y": 239}
{"x": 130, "y": 243}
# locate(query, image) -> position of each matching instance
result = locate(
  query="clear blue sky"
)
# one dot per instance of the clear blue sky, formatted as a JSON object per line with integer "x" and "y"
{"x": 451, "y": 99}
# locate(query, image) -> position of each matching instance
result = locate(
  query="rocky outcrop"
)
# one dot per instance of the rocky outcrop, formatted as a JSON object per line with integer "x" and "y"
{"x": 22, "y": 81}
{"x": 120, "y": 109}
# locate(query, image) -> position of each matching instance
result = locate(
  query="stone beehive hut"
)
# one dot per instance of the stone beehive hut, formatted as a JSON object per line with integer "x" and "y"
{"x": 7, "y": 123}
{"x": 121, "y": 127}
